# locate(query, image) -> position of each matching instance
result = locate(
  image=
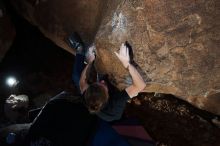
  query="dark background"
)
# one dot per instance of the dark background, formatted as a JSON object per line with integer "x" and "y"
{"x": 42, "y": 68}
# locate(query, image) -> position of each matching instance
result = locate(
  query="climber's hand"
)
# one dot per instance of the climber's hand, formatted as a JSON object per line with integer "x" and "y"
{"x": 90, "y": 54}
{"x": 123, "y": 55}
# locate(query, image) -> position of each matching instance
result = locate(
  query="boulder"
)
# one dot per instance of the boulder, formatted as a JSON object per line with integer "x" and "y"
{"x": 7, "y": 31}
{"x": 175, "y": 46}
{"x": 175, "y": 43}
{"x": 16, "y": 107}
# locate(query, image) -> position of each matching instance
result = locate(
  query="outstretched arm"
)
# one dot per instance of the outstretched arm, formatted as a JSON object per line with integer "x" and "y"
{"x": 138, "y": 83}
{"x": 90, "y": 57}
{"x": 83, "y": 85}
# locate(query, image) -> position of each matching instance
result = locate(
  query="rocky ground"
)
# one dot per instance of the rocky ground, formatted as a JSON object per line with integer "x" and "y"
{"x": 173, "y": 122}
{"x": 44, "y": 70}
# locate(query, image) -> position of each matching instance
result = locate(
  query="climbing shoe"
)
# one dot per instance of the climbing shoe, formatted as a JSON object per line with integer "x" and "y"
{"x": 76, "y": 42}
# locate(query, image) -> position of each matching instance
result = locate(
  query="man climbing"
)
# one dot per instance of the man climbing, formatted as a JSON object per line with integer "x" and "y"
{"x": 65, "y": 120}
{"x": 100, "y": 96}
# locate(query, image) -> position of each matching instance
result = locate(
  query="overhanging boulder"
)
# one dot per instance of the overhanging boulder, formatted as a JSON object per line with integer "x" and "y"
{"x": 175, "y": 43}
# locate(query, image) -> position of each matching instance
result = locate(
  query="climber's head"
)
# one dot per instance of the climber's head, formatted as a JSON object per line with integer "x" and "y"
{"x": 96, "y": 96}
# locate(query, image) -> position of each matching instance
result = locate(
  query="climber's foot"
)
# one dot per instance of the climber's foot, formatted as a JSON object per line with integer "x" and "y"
{"x": 76, "y": 42}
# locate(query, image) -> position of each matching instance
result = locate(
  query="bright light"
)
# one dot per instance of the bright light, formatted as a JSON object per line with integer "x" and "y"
{"x": 11, "y": 81}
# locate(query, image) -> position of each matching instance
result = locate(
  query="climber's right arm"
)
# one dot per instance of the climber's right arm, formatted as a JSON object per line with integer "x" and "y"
{"x": 138, "y": 83}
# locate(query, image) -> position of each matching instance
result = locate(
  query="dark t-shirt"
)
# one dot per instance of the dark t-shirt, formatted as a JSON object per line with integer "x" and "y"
{"x": 113, "y": 110}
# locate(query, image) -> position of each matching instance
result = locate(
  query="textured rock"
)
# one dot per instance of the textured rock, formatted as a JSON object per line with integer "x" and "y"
{"x": 7, "y": 32}
{"x": 175, "y": 45}
{"x": 175, "y": 42}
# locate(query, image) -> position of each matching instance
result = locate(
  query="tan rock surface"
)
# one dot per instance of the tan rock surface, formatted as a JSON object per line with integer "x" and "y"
{"x": 175, "y": 43}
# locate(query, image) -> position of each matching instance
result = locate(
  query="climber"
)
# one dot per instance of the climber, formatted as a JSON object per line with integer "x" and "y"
{"x": 100, "y": 96}
{"x": 53, "y": 126}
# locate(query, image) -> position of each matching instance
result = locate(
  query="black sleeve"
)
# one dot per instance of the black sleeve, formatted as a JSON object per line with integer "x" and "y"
{"x": 124, "y": 95}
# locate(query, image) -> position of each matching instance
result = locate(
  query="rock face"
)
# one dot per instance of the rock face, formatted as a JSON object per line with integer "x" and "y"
{"x": 7, "y": 31}
{"x": 175, "y": 43}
